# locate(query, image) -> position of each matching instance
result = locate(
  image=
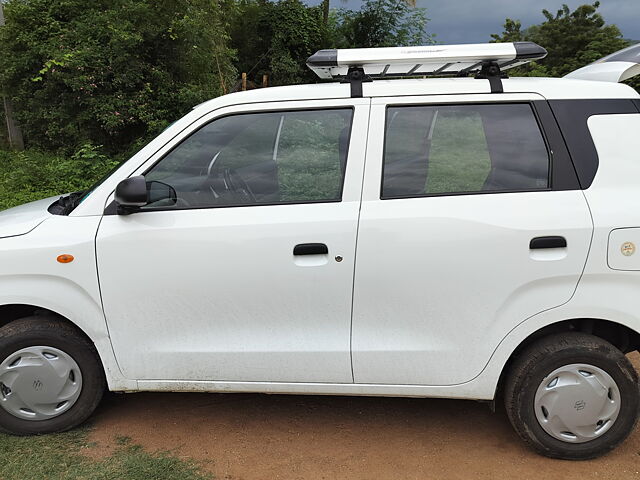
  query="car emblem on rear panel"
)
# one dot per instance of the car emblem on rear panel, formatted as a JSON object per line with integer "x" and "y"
{"x": 628, "y": 249}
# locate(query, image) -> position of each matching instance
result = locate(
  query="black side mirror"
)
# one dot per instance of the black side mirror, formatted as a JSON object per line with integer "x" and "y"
{"x": 135, "y": 192}
{"x": 131, "y": 194}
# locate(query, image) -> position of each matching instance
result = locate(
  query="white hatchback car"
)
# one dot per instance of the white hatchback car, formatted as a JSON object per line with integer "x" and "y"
{"x": 449, "y": 237}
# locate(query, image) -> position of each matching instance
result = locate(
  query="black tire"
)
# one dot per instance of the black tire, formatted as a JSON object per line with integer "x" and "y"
{"x": 52, "y": 332}
{"x": 546, "y": 355}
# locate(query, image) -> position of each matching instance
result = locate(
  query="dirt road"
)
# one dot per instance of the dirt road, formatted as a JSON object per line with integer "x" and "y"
{"x": 252, "y": 437}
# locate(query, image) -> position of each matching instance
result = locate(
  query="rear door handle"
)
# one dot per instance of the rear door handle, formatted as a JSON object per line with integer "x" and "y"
{"x": 310, "y": 249}
{"x": 548, "y": 242}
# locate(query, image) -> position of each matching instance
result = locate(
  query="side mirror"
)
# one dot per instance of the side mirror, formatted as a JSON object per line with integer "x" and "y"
{"x": 160, "y": 194}
{"x": 135, "y": 192}
{"x": 131, "y": 194}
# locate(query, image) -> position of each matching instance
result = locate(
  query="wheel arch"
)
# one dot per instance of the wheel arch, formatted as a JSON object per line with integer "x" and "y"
{"x": 619, "y": 335}
{"x": 11, "y": 312}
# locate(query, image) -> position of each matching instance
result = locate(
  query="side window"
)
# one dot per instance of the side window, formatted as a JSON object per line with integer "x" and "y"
{"x": 258, "y": 158}
{"x": 435, "y": 150}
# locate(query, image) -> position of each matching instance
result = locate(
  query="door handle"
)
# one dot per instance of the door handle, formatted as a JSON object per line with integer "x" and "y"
{"x": 548, "y": 242}
{"x": 310, "y": 249}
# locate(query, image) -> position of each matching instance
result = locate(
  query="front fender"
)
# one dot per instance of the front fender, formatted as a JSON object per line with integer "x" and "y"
{"x": 31, "y": 275}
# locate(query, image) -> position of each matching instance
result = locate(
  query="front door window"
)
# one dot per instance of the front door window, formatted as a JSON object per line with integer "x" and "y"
{"x": 259, "y": 158}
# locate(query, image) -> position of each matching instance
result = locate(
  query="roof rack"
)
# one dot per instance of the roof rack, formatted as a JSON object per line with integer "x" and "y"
{"x": 484, "y": 60}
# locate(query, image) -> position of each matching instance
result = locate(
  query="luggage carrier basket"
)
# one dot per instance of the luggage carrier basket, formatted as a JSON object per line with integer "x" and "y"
{"x": 359, "y": 65}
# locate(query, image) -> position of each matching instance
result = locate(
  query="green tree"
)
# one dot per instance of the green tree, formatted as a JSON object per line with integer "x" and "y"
{"x": 572, "y": 38}
{"x": 276, "y": 38}
{"x": 110, "y": 72}
{"x": 4, "y": 140}
{"x": 383, "y": 23}
{"x": 297, "y": 31}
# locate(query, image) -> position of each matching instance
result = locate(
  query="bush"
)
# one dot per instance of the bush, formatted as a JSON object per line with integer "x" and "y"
{"x": 33, "y": 175}
{"x": 110, "y": 72}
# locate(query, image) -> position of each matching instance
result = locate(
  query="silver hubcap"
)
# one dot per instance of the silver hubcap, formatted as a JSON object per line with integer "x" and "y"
{"x": 577, "y": 403}
{"x": 39, "y": 383}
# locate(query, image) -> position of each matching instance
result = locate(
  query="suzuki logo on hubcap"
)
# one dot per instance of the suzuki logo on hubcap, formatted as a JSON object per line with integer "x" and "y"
{"x": 580, "y": 404}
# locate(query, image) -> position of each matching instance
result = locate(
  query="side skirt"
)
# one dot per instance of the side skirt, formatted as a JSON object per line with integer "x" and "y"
{"x": 464, "y": 391}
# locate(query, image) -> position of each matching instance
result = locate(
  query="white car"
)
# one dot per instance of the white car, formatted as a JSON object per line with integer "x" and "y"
{"x": 471, "y": 238}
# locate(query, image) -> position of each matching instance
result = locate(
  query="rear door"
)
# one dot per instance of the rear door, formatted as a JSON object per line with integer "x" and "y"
{"x": 471, "y": 222}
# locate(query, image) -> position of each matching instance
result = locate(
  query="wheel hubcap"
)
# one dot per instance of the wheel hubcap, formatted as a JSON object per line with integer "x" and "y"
{"x": 39, "y": 383}
{"x": 577, "y": 403}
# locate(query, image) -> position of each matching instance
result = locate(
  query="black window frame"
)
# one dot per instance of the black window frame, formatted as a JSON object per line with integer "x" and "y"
{"x": 572, "y": 116}
{"x": 111, "y": 209}
{"x": 552, "y": 140}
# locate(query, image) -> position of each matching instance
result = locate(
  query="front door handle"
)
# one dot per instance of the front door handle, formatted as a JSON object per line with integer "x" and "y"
{"x": 310, "y": 249}
{"x": 548, "y": 242}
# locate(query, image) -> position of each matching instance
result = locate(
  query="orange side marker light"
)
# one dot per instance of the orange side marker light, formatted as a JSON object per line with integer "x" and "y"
{"x": 65, "y": 258}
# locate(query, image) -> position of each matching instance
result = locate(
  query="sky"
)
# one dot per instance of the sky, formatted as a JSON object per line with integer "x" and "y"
{"x": 473, "y": 21}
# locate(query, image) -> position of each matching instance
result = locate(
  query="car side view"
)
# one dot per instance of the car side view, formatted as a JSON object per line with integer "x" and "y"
{"x": 454, "y": 234}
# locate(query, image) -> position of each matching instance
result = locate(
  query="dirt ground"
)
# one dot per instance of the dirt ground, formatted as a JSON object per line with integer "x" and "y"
{"x": 251, "y": 437}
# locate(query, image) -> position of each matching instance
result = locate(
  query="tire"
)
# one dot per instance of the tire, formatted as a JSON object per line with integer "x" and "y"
{"x": 530, "y": 378}
{"x": 28, "y": 335}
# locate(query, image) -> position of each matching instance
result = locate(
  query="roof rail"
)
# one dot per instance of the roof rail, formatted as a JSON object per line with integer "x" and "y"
{"x": 485, "y": 60}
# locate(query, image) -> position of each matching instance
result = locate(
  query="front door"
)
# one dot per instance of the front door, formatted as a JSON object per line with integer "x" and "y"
{"x": 469, "y": 226}
{"x": 247, "y": 274}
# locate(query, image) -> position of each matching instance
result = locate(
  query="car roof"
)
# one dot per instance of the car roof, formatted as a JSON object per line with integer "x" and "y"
{"x": 550, "y": 88}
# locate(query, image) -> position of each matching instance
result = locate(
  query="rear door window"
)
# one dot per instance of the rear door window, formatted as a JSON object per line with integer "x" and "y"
{"x": 458, "y": 149}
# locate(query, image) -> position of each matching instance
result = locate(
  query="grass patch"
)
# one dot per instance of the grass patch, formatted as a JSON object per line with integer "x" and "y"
{"x": 59, "y": 456}
{"x": 459, "y": 159}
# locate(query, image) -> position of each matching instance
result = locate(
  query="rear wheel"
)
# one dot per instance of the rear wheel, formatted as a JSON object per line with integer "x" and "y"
{"x": 50, "y": 377}
{"x": 572, "y": 396}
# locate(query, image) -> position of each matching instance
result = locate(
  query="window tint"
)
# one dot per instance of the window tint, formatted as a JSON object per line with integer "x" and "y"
{"x": 260, "y": 158}
{"x": 432, "y": 150}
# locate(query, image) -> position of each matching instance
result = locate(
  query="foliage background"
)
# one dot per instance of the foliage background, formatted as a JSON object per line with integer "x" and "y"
{"x": 109, "y": 72}
{"x": 93, "y": 81}
{"x": 573, "y": 38}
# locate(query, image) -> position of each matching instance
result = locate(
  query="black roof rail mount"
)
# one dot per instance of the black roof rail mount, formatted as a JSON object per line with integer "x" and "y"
{"x": 356, "y": 76}
{"x": 491, "y": 71}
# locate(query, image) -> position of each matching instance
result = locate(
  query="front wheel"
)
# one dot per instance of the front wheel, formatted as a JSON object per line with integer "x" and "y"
{"x": 50, "y": 377}
{"x": 572, "y": 396}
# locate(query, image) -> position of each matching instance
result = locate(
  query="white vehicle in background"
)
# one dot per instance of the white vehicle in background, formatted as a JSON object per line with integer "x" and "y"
{"x": 447, "y": 237}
